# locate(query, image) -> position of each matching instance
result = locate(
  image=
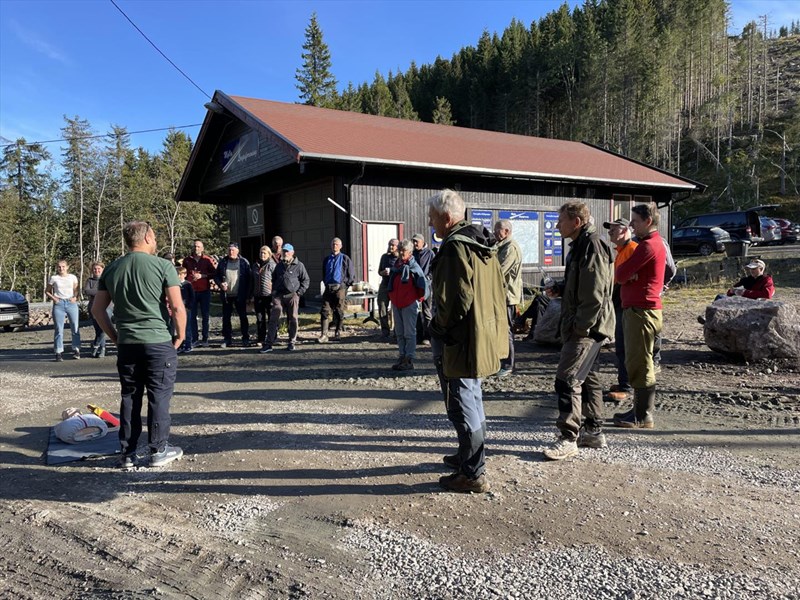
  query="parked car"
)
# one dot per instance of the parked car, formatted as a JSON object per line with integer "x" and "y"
{"x": 13, "y": 311}
{"x": 742, "y": 225}
{"x": 790, "y": 232}
{"x": 699, "y": 240}
{"x": 770, "y": 231}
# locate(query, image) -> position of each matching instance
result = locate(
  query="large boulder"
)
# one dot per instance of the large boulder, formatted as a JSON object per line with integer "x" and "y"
{"x": 753, "y": 329}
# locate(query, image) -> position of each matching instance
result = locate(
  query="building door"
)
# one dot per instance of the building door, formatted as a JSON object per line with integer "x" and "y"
{"x": 377, "y": 238}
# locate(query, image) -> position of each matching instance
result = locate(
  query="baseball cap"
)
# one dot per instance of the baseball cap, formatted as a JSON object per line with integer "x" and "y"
{"x": 288, "y": 248}
{"x": 233, "y": 245}
{"x": 418, "y": 236}
{"x": 621, "y": 221}
{"x": 756, "y": 263}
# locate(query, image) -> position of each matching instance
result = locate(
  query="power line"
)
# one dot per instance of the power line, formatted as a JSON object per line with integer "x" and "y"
{"x": 102, "y": 135}
{"x": 159, "y": 50}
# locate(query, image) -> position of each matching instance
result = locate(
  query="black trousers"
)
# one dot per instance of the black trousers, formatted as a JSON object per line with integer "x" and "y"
{"x": 152, "y": 367}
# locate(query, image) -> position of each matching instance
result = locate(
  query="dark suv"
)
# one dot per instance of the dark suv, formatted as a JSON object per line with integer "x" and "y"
{"x": 699, "y": 240}
{"x": 743, "y": 225}
{"x": 13, "y": 311}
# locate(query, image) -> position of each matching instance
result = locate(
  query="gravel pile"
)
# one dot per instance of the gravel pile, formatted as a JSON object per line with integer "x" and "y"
{"x": 404, "y": 566}
{"x": 233, "y": 518}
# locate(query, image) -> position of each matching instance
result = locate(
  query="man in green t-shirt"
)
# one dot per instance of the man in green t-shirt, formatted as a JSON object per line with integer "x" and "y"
{"x": 141, "y": 285}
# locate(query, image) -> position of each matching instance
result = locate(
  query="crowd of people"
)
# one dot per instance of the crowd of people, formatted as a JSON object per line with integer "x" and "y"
{"x": 463, "y": 300}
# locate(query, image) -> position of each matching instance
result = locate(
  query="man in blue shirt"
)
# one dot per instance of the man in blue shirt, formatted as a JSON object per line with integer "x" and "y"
{"x": 338, "y": 274}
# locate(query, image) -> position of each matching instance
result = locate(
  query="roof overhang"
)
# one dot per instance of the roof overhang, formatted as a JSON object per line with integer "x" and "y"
{"x": 533, "y": 175}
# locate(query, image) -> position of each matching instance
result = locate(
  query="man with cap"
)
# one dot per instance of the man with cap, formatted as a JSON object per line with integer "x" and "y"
{"x": 619, "y": 234}
{"x": 424, "y": 257}
{"x": 757, "y": 284}
{"x": 289, "y": 282}
{"x": 233, "y": 279}
{"x": 337, "y": 275}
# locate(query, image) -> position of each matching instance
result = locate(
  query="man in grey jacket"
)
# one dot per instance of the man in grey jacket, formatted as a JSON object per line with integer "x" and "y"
{"x": 587, "y": 319}
{"x": 510, "y": 256}
{"x": 289, "y": 282}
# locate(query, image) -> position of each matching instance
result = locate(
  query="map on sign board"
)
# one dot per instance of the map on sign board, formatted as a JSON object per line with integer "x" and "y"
{"x": 525, "y": 229}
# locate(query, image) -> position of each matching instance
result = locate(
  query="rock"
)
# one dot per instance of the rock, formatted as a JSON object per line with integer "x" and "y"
{"x": 756, "y": 330}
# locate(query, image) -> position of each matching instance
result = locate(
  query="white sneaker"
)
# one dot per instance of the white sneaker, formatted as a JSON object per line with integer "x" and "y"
{"x": 166, "y": 456}
{"x": 561, "y": 449}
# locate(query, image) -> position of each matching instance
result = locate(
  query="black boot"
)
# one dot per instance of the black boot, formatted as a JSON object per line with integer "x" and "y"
{"x": 641, "y": 416}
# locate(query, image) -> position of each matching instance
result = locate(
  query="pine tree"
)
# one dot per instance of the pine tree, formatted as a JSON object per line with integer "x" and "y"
{"x": 315, "y": 81}
{"x": 442, "y": 113}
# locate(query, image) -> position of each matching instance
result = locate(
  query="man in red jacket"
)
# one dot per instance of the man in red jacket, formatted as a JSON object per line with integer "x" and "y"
{"x": 756, "y": 285}
{"x": 641, "y": 278}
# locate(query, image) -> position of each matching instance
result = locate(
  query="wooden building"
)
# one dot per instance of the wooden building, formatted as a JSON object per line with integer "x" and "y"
{"x": 310, "y": 174}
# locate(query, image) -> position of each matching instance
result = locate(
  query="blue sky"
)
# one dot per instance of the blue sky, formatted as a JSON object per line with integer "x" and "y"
{"x": 83, "y": 58}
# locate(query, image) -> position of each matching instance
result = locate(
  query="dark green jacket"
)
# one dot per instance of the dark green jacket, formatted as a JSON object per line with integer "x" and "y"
{"x": 586, "y": 306}
{"x": 470, "y": 299}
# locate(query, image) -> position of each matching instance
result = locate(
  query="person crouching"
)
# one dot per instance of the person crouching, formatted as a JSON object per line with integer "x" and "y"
{"x": 407, "y": 286}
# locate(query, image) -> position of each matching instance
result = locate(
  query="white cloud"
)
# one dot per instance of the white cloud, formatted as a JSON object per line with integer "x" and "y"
{"x": 32, "y": 40}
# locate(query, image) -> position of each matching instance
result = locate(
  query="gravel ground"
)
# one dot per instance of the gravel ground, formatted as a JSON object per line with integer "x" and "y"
{"x": 313, "y": 474}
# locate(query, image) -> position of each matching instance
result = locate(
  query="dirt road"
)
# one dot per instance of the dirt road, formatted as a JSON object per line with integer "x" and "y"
{"x": 314, "y": 474}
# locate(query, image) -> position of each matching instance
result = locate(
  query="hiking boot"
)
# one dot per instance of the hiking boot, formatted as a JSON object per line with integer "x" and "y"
{"x": 629, "y": 421}
{"x": 591, "y": 439}
{"x": 76, "y": 354}
{"x": 400, "y": 361}
{"x": 290, "y": 347}
{"x": 458, "y": 482}
{"x": 504, "y": 372}
{"x": 265, "y": 349}
{"x": 323, "y": 339}
{"x": 406, "y": 365}
{"x": 337, "y": 335}
{"x": 701, "y": 319}
{"x": 127, "y": 461}
{"x": 452, "y": 461}
{"x": 619, "y": 395}
{"x": 166, "y": 456}
{"x": 59, "y": 357}
{"x": 561, "y": 449}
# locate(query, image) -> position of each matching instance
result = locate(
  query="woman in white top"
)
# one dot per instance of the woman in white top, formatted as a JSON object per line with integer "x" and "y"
{"x": 62, "y": 289}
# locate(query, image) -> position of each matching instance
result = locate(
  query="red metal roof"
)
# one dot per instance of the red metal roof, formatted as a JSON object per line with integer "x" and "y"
{"x": 321, "y": 133}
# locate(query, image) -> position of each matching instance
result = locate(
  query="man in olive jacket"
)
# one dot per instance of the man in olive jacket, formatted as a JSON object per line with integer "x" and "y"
{"x": 587, "y": 319}
{"x": 510, "y": 256}
{"x": 469, "y": 332}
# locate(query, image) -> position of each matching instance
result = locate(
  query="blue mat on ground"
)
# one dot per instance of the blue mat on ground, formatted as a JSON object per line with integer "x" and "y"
{"x": 59, "y": 452}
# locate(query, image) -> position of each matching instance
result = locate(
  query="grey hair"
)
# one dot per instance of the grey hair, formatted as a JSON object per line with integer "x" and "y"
{"x": 406, "y": 246}
{"x": 504, "y": 224}
{"x": 336, "y": 240}
{"x": 448, "y": 202}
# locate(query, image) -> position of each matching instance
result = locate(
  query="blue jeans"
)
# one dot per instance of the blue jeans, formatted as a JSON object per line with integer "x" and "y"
{"x": 62, "y": 309}
{"x": 202, "y": 300}
{"x": 150, "y": 366}
{"x": 463, "y": 400}
{"x": 405, "y": 328}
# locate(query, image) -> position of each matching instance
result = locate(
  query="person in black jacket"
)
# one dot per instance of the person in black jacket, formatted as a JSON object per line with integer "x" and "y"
{"x": 289, "y": 282}
{"x": 234, "y": 280}
{"x": 262, "y": 291}
{"x": 424, "y": 257}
